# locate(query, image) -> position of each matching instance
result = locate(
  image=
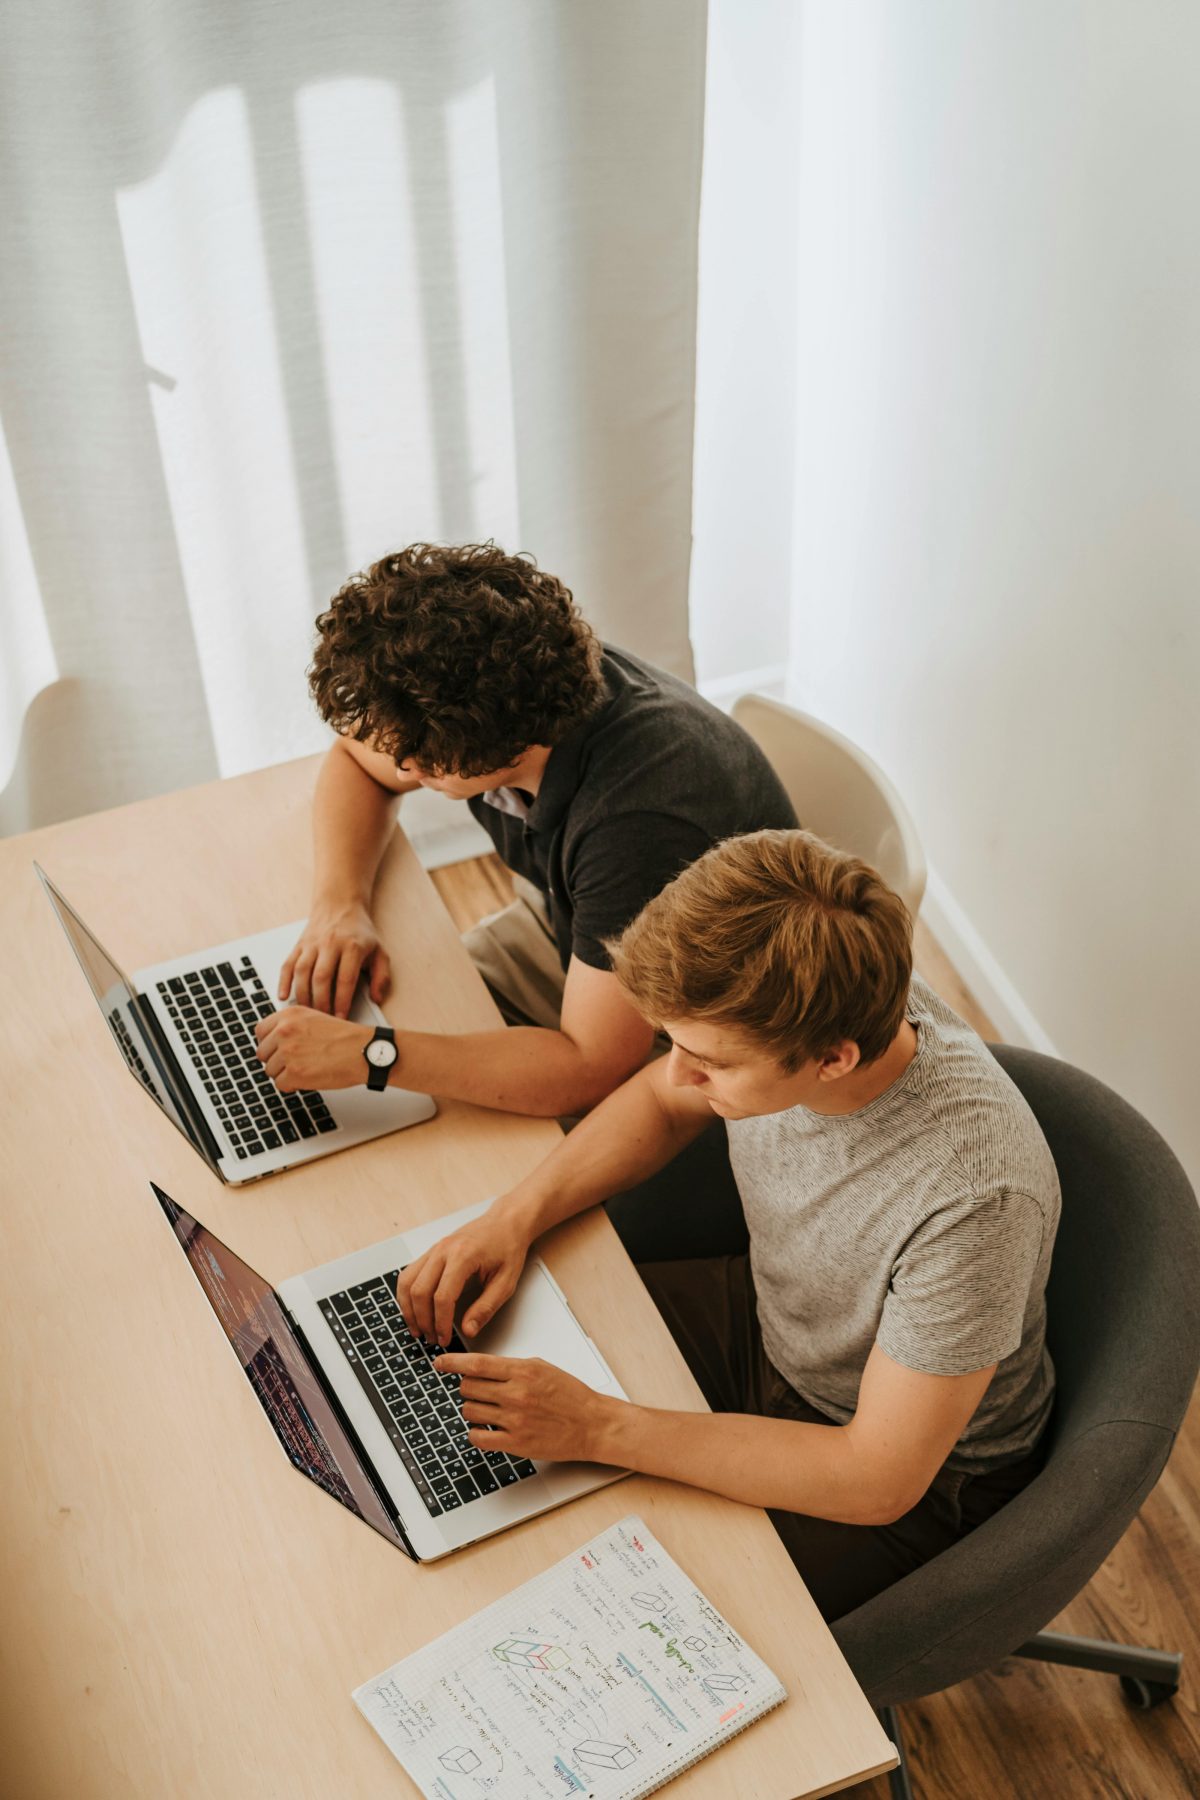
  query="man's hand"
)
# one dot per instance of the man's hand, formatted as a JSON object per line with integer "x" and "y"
{"x": 532, "y": 1408}
{"x": 337, "y": 944}
{"x": 306, "y": 1049}
{"x": 490, "y": 1250}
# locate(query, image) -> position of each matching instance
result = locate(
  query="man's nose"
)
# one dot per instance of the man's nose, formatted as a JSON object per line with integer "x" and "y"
{"x": 681, "y": 1073}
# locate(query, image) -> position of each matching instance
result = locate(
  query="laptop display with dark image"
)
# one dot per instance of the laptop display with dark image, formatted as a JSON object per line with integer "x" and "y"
{"x": 278, "y": 1368}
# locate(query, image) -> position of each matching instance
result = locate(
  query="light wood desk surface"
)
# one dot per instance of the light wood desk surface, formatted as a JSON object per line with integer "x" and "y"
{"x": 183, "y": 1615}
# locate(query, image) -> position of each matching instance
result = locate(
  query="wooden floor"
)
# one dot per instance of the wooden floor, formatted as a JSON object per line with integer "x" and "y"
{"x": 1027, "y": 1731}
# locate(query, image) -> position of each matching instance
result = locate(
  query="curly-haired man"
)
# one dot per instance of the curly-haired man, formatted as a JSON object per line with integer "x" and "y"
{"x": 597, "y": 777}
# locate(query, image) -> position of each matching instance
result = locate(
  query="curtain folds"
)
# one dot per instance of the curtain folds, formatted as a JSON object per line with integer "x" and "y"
{"x": 285, "y": 288}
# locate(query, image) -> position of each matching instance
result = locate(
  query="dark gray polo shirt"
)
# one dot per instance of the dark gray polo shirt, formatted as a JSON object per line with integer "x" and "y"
{"x": 628, "y": 800}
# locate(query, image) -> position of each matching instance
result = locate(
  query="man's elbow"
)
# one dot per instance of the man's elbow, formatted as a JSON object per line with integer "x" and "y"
{"x": 590, "y": 1083}
{"x": 887, "y": 1502}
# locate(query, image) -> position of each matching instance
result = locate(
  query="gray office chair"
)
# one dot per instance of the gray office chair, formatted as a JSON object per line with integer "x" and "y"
{"x": 1124, "y": 1334}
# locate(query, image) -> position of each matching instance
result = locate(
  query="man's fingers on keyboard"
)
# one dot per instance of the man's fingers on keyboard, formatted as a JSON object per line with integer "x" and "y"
{"x": 285, "y": 974}
{"x": 454, "y": 1277}
{"x": 404, "y": 1289}
{"x": 477, "y": 1365}
{"x": 497, "y": 1291}
{"x": 447, "y": 1296}
{"x": 302, "y": 974}
{"x": 348, "y": 971}
{"x": 322, "y": 978}
{"x": 381, "y": 974}
{"x": 421, "y": 1291}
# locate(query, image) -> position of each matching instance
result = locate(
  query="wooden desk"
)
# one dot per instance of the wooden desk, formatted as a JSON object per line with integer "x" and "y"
{"x": 184, "y": 1616}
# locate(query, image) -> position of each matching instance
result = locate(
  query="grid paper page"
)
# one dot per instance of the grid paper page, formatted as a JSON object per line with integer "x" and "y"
{"x": 601, "y": 1677}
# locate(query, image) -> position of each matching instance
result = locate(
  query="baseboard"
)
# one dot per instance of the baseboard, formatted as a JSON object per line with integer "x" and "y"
{"x": 980, "y": 970}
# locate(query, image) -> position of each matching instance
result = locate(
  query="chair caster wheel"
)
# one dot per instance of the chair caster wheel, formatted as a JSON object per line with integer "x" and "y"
{"x": 1145, "y": 1694}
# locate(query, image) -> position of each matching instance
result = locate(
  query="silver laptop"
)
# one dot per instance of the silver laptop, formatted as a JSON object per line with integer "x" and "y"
{"x": 185, "y": 1030}
{"x": 357, "y": 1404}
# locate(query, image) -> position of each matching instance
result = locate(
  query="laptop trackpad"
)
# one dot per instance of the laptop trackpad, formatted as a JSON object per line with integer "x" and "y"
{"x": 536, "y": 1322}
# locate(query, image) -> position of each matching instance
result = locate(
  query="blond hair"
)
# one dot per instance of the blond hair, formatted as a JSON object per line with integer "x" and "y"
{"x": 780, "y": 936}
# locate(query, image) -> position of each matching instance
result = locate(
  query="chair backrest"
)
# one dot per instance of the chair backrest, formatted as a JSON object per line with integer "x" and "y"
{"x": 1124, "y": 1333}
{"x": 838, "y": 792}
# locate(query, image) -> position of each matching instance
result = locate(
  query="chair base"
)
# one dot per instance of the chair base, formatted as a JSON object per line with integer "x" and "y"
{"x": 1147, "y": 1677}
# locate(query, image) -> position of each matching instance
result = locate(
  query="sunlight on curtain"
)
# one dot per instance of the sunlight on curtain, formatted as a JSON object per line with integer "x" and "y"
{"x": 28, "y": 664}
{"x": 478, "y": 220}
{"x": 358, "y": 197}
{"x": 408, "y": 267}
{"x": 194, "y": 250}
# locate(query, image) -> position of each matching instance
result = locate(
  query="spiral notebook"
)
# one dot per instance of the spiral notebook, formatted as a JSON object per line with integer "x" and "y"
{"x": 602, "y": 1677}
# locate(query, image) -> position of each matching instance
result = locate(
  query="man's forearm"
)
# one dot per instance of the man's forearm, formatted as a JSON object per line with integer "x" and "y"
{"x": 524, "y": 1069}
{"x": 791, "y": 1465}
{"x": 625, "y": 1140}
{"x": 353, "y": 818}
{"x": 520, "y": 1068}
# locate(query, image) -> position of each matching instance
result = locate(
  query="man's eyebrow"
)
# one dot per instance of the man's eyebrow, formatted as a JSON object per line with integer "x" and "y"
{"x": 709, "y": 1061}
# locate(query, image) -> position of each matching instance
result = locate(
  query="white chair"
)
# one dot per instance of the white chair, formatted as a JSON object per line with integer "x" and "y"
{"x": 838, "y": 792}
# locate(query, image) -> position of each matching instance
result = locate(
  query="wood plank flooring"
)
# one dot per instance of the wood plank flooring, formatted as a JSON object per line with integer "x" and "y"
{"x": 1029, "y": 1731}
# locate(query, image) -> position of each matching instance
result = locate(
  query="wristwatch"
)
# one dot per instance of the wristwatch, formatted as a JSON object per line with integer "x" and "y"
{"x": 380, "y": 1053}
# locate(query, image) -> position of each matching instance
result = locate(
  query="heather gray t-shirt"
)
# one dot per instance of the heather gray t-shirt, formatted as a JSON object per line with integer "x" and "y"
{"x": 923, "y": 1222}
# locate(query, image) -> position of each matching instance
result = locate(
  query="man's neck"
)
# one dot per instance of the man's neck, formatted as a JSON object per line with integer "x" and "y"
{"x": 529, "y": 769}
{"x": 869, "y": 1080}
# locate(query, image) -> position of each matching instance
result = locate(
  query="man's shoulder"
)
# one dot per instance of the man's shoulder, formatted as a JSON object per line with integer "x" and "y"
{"x": 660, "y": 748}
{"x": 976, "y": 1111}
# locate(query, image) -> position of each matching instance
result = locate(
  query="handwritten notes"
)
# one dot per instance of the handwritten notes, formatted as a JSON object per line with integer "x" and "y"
{"x": 602, "y": 1677}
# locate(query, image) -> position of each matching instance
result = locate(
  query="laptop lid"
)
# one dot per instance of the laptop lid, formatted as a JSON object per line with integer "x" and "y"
{"x": 134, "y": 1029}
{"x": 285, "y": 1376}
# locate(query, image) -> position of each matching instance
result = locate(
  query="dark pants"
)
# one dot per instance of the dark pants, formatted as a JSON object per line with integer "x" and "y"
{"x": 689, "y": 1209}
{"x": 709, "y": 1304}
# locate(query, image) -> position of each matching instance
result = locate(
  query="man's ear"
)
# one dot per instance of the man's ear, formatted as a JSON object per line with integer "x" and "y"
{"x": 839, "y": 1062}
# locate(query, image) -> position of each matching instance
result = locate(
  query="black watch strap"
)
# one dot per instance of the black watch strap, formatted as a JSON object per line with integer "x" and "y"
{"x": 378, "y": 1072}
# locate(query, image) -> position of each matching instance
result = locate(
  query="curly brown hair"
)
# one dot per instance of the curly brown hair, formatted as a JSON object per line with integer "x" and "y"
{"x": 458, "y": 658}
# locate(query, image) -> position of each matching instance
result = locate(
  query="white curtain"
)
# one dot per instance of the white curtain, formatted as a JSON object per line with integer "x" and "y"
{"x": 285, "y": 286}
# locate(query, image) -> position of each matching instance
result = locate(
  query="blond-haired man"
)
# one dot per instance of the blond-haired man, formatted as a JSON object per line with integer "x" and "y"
{"x": 877, "y": 1363}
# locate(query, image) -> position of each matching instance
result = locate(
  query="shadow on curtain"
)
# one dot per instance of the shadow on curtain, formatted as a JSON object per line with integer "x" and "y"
{"x": 284, "y": 289}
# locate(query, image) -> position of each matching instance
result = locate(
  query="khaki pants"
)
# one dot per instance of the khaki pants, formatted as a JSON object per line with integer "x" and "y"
{"x": 515, "y": 952}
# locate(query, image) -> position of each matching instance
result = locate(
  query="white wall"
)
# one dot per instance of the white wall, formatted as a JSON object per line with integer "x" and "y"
{"x": 997, "y": 522}
{"x": 746, "y": 348}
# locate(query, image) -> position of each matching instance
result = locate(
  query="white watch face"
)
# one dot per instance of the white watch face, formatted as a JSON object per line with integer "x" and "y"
{"x": 381, "y": 1053}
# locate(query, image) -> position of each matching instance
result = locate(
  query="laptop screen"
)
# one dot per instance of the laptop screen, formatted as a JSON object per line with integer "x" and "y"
{"x": 123, "y": 1013}
{"x": 278, "y": 1368}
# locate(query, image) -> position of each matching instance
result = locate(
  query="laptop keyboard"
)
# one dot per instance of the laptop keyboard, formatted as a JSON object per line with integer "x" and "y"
{"x": 215, "y": 1010}
{"x": 418, "y": 1408}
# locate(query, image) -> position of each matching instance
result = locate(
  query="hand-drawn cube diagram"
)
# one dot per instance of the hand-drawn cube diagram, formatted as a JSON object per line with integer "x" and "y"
{"x": 695, "y": 1643}
{"x": 724, "y": 1684}
{"x": 527, "y": 1653}
{"x": 651, "y": 1601}
{"x": 602, "y": 1755}
{"x": 460, "y": 1759}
